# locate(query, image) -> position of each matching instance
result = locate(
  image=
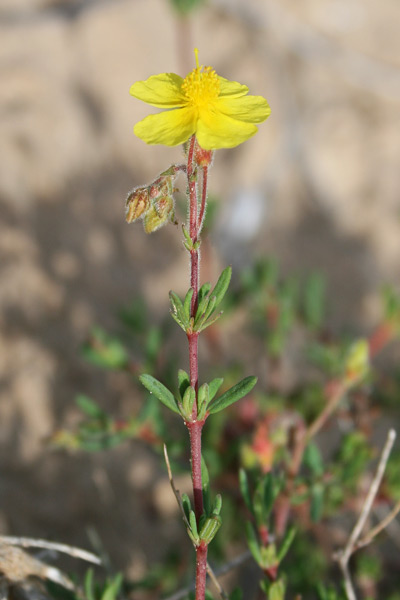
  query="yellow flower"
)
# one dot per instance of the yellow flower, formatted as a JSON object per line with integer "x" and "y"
{"x": 216, "y": 110}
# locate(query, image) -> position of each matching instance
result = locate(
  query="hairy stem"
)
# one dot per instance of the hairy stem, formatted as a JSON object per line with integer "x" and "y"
{"x": 195, "y": 455}
{"x": 201, "y": 570}
{"x": 194, "y": 426}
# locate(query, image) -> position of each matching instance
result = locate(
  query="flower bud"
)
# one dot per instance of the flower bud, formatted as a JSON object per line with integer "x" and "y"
{"x": 160, "y": 212}
{"x": 203, "y": 158}
{"x": 137, "y": 203}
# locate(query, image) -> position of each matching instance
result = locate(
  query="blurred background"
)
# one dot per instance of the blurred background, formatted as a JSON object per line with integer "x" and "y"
{"x": 317, "y": 189}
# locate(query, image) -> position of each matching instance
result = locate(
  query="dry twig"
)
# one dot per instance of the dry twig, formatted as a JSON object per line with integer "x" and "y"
{"x": 344, "y": 555}
{"x": 25, "y": 542}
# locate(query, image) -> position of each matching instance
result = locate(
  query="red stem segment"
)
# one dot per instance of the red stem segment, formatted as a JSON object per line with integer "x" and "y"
{"x": 201, "y": 570}
{"x": 195, "y": 454}
{"x": 194, "y": 426}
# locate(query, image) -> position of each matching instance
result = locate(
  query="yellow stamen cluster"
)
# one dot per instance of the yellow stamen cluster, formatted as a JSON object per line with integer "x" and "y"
{"x": 201, "y": 87}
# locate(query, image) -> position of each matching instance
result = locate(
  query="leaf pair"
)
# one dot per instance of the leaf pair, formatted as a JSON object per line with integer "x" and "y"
{"x": 207, "y": 302}
{"x": 206, "y": 404}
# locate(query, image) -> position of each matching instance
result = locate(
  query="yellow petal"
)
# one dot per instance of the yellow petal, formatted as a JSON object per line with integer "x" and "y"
{"x": 252, "y": 109}
{"x": 216, "y": 130}
{"x": 231, "y": 89}
{"x": 170, "y": 128}
{"x": 162, "y": 91}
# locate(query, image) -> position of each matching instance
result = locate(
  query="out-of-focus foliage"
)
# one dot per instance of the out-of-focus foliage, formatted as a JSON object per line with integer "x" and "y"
{"x": 260, "y": 435}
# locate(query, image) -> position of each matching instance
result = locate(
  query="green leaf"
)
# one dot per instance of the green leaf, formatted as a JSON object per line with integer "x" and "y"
{"x": 214, "y": 386}
{"x": 217, "y": 505}
{"x": 183, "y": 382}
{"x": 253, "y": 544}
{"x": 188, "y": 303}
{"x": 286, "y": 543}
{"x": 88, "y": 585}
{"x": 222, "y": 285}
{"x": 203, "y": 291}
{"x": 203, "y": 325}
{"x": 212, "y": 303}
{"x": 313, "y": 460}
{"x": 89, "y": 407}
{"x": 188, "y": 400}
{"x": 317, "y": 502}
{"x": 112, "y": 589}
{"x": 203, "y": 399}
{"x": 188, "y": 240}
{"x": 264, "y": 497}
{"x": 236, "y": 594}
{"x": 193, "y": 525}
{"x": 277, "y": 590}
{"x": 186, "y": 505}
{"x": 105, "y": 351}
{"x": 177, "y": 310}
{"x": 201, "y": 309}
{"x": 210, "y": 528}
{"x": 205, "y": 481}
{"x": 160, "y": 391}
{"x": 244, "y": 488}
{"x": 234, "y": 394}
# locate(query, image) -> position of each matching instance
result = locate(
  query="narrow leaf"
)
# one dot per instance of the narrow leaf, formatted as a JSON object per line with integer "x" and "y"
{"x": 187, "y": 304}
{"x": 113, "y": 588}
{"x": 244, "y": 488}
{"x": 214, "y": 386}
{"x": 203, "y": 291}
{"x": 193, "y": 524}
{"x": 222, "y": 285}
{"x": 209, "y": 322}
{"x": 186, "y": 505}
{"x": 183, "y": 381}
{"x": 253, "y": 544}
{"x": 210, "y": 307}
{"x": 160, "y": 391}
{"x": 177, "y": 308}
{"x": 89, "y": 407}
{"x": 313, "y": 460}
{"x": 205, "y": 480}
{"x": 177, "y": 319}
{"x": 317, "y": 502}
{"x": 201, "y": 309}
{"x": 234, "y": 394}
{"x": 286, "y": 543}
{"x": 88, "y": 585}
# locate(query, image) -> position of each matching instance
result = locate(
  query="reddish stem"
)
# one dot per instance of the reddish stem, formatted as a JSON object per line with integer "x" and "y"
{"x": 193, "y": 228}
{"x": 201, "y": 571}
{"x": 195, "y": 453}
{"x": 194, "y": 426}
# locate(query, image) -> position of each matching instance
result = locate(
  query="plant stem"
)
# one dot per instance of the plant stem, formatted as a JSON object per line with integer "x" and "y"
{"x": 194, "y": 426}
{"x": 193, "y": 227}
{"x": 195, "y": 455}
{"x": 201, "y": 570}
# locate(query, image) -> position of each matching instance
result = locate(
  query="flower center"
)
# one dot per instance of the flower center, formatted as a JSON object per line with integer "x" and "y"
{"x": 201, "y": 88}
